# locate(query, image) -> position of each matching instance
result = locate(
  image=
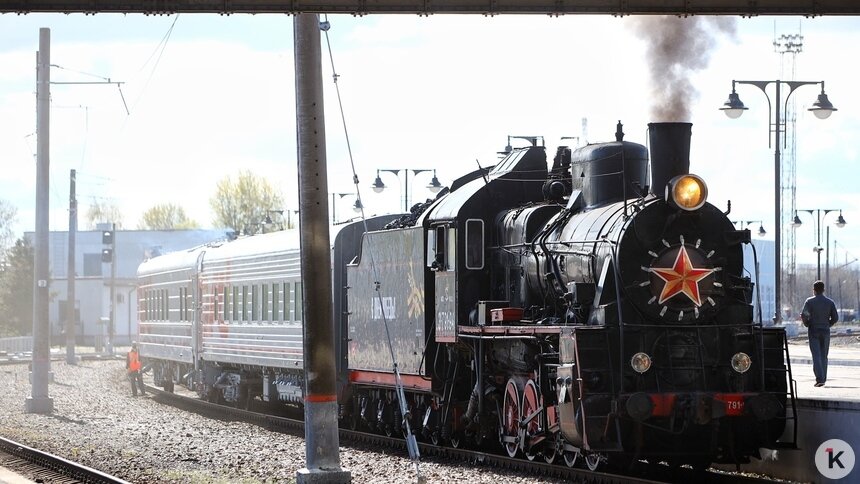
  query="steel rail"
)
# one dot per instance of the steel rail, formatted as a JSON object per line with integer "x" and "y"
{"x": 52, "y": 465}
{"x": 295, "y": 427}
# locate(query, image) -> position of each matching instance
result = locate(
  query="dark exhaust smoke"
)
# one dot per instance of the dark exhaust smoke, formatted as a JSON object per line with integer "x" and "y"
{"x": 670, "y": 153}
{"x": 676, "y": 48}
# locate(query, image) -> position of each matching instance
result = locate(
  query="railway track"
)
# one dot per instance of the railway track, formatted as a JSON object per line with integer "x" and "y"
{"x": 43, "y": 467}
{"x": 656, "y": 474}
{"x": 27, "y": 358}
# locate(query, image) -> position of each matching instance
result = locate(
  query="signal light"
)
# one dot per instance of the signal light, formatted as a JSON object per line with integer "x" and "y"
{"x": 107, "y": 237}
{"x": 107, "y": 255}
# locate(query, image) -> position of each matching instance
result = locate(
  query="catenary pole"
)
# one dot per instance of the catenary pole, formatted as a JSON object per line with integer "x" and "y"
{"x": 70, "y": 298}
{"x": 321, "y": 432}
{"x": 39, "y": 401}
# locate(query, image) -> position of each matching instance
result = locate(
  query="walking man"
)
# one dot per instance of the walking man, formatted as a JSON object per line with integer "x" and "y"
{"x": 819, "y": 314}
{"x": 132, "y": 365}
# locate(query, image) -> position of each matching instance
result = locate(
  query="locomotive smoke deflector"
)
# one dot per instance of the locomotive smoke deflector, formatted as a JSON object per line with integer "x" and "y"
{"x": 670, "y": 153}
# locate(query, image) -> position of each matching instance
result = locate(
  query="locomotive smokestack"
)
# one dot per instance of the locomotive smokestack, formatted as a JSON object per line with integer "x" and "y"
{"x": 670, "y": 153}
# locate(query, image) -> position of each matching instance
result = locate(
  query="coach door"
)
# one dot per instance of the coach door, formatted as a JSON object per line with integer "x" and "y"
{"x": 197, "y": 311}
{"x": 442, "y": 260}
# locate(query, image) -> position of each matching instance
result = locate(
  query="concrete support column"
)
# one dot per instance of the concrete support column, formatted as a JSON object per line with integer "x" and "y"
{"x": 40, "y": 402}
{"x": 322, "y": 446}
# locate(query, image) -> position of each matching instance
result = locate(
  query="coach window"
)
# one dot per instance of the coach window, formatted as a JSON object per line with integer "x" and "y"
{"x": 225, "y": 303}
{"x": 474, "y": 244}
{"x": 436, "y": 248}
{"x": 245, "y": 303}
{"x": 287, "y": 301}
{"x": 165, "y": 305}
{"x": 298, "y": 301}
{"x": 189, "y": 304}
{"x": 451, "y": 249}
{"x": 265, "y": 306}
{"x": 255, "y": 299}
{"x": 274, "y": 302}
{"x": 235, "y": 303}
{"x": 182, "y": 304}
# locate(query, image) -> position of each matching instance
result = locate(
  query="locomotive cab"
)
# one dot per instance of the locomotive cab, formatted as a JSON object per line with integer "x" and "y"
{"x": 458, "y": 235}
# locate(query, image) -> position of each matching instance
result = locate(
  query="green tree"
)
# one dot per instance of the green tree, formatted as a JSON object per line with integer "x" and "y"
{"x": 8, "y": 217}
{"x": 244, "y": 202}
{"x": 166, "y": 216}
{"x": 105, "y": 211}
{"x": 16, "y": 290}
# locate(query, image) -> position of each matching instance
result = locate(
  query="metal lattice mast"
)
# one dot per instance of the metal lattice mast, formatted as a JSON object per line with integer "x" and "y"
{"x": 788, "y": 46}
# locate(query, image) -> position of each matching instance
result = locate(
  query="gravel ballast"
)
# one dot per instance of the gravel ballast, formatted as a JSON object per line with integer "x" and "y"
{"x": 98, "y": 423}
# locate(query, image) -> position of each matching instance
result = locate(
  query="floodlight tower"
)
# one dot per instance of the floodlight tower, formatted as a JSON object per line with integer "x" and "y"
{"x": 788, "y": 46}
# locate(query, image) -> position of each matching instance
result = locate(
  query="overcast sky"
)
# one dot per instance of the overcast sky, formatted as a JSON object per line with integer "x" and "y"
{"x": 216, "y": 94}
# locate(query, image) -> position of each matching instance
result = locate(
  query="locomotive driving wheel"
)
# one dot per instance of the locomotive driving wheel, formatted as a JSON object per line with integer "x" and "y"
{"x": 511, "y": 414}
{"x": 530, "y": 407}
{"x": 592, "y": 460}
{"x": 555, "y": 444}
{"x": 570, "y": 457}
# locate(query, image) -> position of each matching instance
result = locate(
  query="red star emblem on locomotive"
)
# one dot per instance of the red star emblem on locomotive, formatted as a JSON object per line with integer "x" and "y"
{"x": 681, "y": 278}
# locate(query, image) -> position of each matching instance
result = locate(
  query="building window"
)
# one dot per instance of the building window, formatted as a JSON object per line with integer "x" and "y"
{"x": 93, "y": 265}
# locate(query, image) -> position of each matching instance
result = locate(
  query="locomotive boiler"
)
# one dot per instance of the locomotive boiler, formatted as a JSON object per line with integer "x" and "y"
{"x": 595, "y": 307}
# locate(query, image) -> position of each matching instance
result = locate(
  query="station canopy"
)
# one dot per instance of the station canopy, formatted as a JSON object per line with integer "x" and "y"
{"x": 750, "y": 8}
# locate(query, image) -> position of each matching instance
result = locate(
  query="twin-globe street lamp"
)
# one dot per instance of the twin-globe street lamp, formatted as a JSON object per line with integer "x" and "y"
{"x": 840, "y": 222}
{"x": 356, "y": 206}
{"x": 822, "y": 108}
{"x": 378, "y": 186}
{"x": 746, "y": 223}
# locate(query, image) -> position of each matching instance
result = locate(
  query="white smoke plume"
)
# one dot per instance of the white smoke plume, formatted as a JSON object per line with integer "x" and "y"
{"x": 676, "y": 48}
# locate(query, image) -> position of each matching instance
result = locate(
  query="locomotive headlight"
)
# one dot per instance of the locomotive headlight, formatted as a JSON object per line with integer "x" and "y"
{"x": 687, "y": 192}
{"x": 640, "y": 362}
{"x": 741, "y": 362}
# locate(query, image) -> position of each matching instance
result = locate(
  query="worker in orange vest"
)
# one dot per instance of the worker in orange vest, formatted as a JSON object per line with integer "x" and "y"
{"x": 132, "y": 365}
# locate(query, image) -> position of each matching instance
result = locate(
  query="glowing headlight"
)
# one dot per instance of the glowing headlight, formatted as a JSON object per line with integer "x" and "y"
{"x": 741, "y": 362}
{"x": 640, "y": 362}
{"x": 688, "y": 192}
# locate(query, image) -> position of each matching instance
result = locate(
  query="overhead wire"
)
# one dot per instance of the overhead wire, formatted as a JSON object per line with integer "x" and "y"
{"x": 159, "y": 48}
{"x": 411, "y": 442}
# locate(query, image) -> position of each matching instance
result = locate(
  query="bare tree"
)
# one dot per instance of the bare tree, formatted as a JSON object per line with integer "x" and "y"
{"x": 8, "y": 217}
{"x": 242, "y": 203}
{"x": 105, "y": 211}
{"x": 166, "y": 216}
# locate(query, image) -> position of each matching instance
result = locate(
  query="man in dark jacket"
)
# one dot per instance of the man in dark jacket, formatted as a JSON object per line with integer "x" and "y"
{"x": 819, "y": 314}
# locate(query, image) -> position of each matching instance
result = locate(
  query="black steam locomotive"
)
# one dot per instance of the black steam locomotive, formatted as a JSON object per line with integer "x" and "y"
{"x": 592, "y": 308}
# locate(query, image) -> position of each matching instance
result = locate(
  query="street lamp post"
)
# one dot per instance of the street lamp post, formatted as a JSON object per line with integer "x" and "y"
{"x": 378, "y": 186}
{"x": 822, "y": 108}
{"x": 746, "y": 223}
{"x": 334, "y": 197}
{"x": 840, "y": 222}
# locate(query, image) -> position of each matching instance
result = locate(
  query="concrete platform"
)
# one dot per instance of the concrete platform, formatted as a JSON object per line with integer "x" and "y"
{"x": 843, "y": 373}
{"x": 8, "y": 476}
{"x": 823, "y": 414}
